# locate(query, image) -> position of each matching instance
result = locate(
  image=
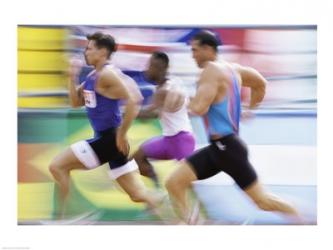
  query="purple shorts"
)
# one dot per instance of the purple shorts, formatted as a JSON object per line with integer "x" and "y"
{"x": 177, "y": 146}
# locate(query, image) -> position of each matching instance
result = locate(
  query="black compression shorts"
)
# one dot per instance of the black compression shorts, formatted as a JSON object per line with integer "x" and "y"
{"x": 105, "y": 147}
{"x": 228, "y": 154}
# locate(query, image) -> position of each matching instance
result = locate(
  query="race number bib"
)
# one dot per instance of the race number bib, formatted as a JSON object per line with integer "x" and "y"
{"x": 89, "y": 98}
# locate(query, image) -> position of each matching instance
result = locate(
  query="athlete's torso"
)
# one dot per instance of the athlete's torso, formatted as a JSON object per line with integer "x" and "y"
{"x": 171, "y": 122}
{"x": 103, "y": 112}
{"x": 174, "y": 122}
{"x": 223, "y": 115}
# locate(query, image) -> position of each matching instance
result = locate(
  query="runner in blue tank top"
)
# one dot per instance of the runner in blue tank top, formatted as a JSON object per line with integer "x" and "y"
{"x": 101, "y": 93}
{"x": 218, "y": 101}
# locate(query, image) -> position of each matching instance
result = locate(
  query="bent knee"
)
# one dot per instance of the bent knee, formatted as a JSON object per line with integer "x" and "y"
{"x": 173, "y": 184}
{"x": 170, "y": 183}
{"x": 137, "y": 196}
{"x": 181, "y": 178}
{"x": 54, "y": 168}
{"x": 57, "y": 169}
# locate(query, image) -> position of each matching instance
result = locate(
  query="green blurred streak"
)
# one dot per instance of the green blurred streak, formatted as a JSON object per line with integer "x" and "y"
{"x": 54, "y": 125}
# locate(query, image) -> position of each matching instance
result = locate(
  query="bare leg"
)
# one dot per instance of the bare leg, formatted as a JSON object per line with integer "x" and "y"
{"x": 145, "y": 168}
{"x": 137, "y": 191}
{"x": 270, "y": 202}
{"x": 60, "y": 168}
{"x": 178, "y": 184}
{"x": 180, "y": 181}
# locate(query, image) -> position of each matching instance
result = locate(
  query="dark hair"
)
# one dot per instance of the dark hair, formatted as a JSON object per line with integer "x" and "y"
{"x": 206, "y": 38}
{"x": 161, "y": 56}
{"x": 103, "y": 41}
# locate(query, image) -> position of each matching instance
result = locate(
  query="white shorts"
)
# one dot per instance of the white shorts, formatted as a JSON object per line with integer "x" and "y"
{"x": 86, "y": 155}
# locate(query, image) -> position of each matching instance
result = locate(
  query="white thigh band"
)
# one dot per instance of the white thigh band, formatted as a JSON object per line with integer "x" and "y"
{"x": 127, "y": 168}
{"x": 86, "y": 155}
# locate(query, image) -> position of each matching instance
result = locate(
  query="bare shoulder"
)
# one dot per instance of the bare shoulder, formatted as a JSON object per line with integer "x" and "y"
{"x": 211, "y": 67}
{"x": 210, "y": 73}
{"x": 108, "y": 72}
{"x": 108, "y": 77}
{"x": 111, "y": 85}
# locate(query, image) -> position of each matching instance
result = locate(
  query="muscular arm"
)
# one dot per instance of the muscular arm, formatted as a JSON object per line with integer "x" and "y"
{"x": 112, "y": 86}
{"x": 206, "y": 93}
{"x": 151, "y": 110}
{"x": 157, "y": 102}
{"x": 168, "y": 99}
{"x": 131, "y": 86}
{"x": 148, "y": 112}
{"x": 255, "y": 81}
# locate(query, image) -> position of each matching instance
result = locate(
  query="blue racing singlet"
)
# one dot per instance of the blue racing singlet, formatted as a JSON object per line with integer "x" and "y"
{"x": 103, "y": 112}
{"x": 223, "y": 118}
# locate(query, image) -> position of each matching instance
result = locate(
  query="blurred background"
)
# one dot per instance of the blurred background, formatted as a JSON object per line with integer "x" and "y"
{"x": 281, "y": 137}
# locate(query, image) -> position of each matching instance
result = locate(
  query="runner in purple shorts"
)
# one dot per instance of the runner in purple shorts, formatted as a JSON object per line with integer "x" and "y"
{"x": 176, "y": 141}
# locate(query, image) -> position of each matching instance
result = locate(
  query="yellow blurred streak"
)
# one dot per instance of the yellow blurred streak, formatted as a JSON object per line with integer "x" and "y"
{"x": 40, "y": 50}
{"x": 42, "y": 38}
{"x": 39, "y": 82}
{"x": 138, "y": 133}
{"x": 97, "y": 187}
{"x": 35, "y": 201}
{"x": 42, "y": 61}
{"x": 41, "y": 161}
{"x": 42, "y": 102}
{"x": 112, "y": 199}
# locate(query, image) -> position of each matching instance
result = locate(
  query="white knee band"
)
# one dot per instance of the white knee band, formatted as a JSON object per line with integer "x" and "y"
{"x": 127, "y": 168}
